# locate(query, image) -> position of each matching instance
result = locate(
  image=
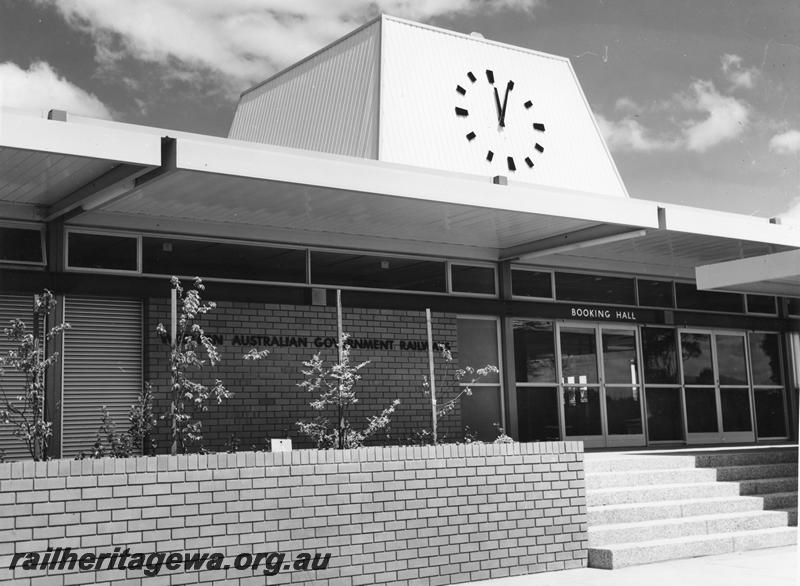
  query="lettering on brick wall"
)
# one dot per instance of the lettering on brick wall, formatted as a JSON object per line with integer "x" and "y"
{"x": 322, "y": 342}
{"x": 602, "y": 313}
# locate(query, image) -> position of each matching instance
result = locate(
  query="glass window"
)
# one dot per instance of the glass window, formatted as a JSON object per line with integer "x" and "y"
{"x": 688, "y": 297}
{"x": 534, "y": 352}
{"x": 538, "y": 414}
{"x": 731, "y": 360}
{"x": 531, "y": 284}
{"x": 480, "y": 412}
{"x": 701, "y": 410}
{"x": 794, "y": 305}
{"x": 102, "y": 251}
{"x": 765, "y": 357}
{"x": 594, "y": 288}
{"x": 619, "y": 357}
{"x": 770, "y": 414}
{"x": 380, "y": 272}
{"x": 21, "y": 245}
{"x": 761, "y": 304}
{"x": 660, "y": 356}
{"x": 477, "y": 345}
{"x": 655, "y": 293}
{"x": 472, "y": 279}
{"x": 696, "y": 354}
{"x": 578, "y": 356}
{"x": 224, "y": 260}
{"x": 664, "y": 414}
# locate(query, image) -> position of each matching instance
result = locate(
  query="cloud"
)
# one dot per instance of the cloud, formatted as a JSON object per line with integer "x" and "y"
{"x": 726, "y": 117}
{"x": 236, "y": 41}
{"x": 40, "y": 87}
{"x": 738, "y": 76}
{"x": 626, "y": 104}
{"x": 785, "y": 143}
{"x": 629, "y": 135}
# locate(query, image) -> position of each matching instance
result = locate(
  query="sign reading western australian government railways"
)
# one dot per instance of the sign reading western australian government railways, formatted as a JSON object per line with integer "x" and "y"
{"x": 322, "y": 342}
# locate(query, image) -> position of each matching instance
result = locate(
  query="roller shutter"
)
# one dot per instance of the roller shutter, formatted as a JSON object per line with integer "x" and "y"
{"x": 102, "y": 365}
{"x": 12, "y": 307}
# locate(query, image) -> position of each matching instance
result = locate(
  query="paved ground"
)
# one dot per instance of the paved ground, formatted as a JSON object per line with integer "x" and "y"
{"x": 778, "y": 566}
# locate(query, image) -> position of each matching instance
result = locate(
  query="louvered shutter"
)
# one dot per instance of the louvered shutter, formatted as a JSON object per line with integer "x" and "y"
{"x": 102, "y": 366}
{"x": 12, "y": 307}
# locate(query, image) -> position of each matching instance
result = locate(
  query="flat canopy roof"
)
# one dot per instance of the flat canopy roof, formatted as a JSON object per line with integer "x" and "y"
{"x": 117, "y": 176}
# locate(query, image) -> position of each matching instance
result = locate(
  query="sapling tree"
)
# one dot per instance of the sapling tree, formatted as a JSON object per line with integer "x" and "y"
{"x": 335, "y": 388}
{"x": 189, "y": 398}
{"x": 456, "y": 382}
{"x": 24, "y": 409}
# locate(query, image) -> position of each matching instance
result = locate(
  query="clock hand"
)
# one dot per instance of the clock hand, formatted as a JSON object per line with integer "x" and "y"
{"x": 509, "y": 87}
{"x": 500, "y": 110}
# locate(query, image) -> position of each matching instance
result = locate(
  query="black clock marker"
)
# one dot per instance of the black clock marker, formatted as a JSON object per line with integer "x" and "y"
{"x": 511, "y": 165}
{"x": 538, "y": 126}
{"x": 471, "y": 76}
{"x": 490, "y": 75}
{"x": 489, "y": 156}
{"x": 539, "y": 147}
{"x": 461, "y": 112}
{"x": 528, "y": 161}
{"x": 528, "y": 104}
{"x": 470, "y": 136}
{"x": 461, "y": 90}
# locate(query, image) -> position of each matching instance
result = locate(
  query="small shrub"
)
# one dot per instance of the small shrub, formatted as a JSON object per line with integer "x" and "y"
{"x": 335, "y": 385}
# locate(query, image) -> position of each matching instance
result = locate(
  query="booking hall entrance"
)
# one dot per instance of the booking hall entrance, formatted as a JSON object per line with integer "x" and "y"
{"x": 613, "y": 384}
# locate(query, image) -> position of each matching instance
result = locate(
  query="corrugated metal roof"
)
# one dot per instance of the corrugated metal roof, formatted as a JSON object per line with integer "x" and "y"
{"x": 326, "y": 103}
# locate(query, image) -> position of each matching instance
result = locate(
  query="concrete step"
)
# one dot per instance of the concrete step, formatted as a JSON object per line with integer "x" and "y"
{"x": 767, "y": 485}
{"x": 791, "y": 512}
{"x": 779, "y": 500}
{"x": 611, "y": 462}
{"x": 628, "y": 554}
{"x": 749, "y": 471}
{"x": 649, "y": 477}
{"x": 685, "y": 527}
{"x": 746, "y": 457}
{"x": 633, "y": 512}
{"x": 660, "y": 492}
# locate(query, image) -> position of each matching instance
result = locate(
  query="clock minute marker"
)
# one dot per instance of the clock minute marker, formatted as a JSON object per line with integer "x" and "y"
{"x": 511, "y": 165}
{"x": 538, "y": 126}
{"x": 461, "y": 111}
{"x": 528, "y": 104}
{"x": 471, "y": 77}
{"x": 471, "y": 136}
{"x": 461, "y": 90}
{"x": 490, "y": 76}
{"x": 489, "y": 156}
{"x": 529, "y": 162}
{"x": 539, "y": 147}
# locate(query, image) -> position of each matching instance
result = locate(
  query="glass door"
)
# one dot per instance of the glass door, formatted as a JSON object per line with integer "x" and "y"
{"x": 600, "y": 385}
{"x": 580, "y": 385}
{"x": 621, "y": 386}
{"x": 716, "y": 387}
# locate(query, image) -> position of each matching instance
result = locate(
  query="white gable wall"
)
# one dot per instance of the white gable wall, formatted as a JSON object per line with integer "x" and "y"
{"x": 421, "y": 68}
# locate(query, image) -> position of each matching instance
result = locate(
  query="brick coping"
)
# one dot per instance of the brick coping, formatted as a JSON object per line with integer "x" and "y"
{"x": 303, "y": 457}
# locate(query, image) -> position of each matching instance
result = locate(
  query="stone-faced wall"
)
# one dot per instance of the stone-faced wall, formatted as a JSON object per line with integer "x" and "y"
{"x": 400, "y": 515}
{"x": 267, "y": 401}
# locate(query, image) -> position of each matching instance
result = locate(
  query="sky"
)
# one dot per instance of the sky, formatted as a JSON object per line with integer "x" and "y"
{"x": 699, "y": 102}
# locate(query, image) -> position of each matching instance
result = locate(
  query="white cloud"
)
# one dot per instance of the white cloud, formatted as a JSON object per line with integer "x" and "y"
{"x": 239, "y": 41}
{"x": 786, "y": 143}
{"x": 629, "y": 135}
{"x": 726, "y": 117}
{"x": 41, "y": 88}
{"x": 738, "y": 76}
{"x": 626, "y": 104}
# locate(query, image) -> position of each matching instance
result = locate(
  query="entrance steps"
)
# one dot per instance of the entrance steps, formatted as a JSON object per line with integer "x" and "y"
{"x": 648, "y": 507}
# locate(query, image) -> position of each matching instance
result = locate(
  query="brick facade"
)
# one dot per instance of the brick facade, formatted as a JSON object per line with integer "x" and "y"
{"x": 267, "y": 401}
{"x": 399, "y": 515}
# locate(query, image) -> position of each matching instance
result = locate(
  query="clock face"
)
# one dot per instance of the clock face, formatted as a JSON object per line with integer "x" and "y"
{"x": 495, "y": 114}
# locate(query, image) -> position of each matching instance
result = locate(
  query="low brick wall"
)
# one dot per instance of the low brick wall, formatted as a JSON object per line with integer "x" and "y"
{"x": 400, "y": 515}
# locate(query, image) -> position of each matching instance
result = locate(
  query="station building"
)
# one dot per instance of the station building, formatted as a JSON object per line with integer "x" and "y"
{"x": 411, "y": 168}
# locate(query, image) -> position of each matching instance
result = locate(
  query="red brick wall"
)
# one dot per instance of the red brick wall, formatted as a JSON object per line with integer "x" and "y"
{"x": 426, "y": 516}
{"x": 267, "y": 401}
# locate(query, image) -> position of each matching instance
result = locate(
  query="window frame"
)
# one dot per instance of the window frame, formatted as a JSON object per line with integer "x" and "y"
{"x": 92, "y": 232}
{"x": 42, "y": 242}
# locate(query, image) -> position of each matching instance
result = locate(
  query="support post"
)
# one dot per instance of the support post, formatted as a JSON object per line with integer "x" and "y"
{"x": 431, "y": 375}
